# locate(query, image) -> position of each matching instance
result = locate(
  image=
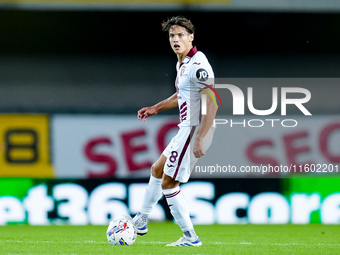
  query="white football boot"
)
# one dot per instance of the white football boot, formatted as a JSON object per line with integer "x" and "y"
{"x": 141, "y": 223}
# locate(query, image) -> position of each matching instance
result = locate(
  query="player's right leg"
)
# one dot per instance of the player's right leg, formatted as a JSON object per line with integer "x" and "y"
{"x": 152, "y": 195}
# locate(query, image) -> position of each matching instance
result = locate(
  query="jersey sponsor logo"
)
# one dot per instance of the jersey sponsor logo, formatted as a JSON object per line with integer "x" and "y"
{"x": 202, "y": 74}
{"x": 196, "y": 63}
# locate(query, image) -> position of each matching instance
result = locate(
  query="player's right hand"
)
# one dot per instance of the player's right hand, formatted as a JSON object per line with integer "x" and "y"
{"x": 146, "y": 112}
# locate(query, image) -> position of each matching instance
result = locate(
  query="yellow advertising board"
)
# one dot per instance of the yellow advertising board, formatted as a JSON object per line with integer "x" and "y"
{"x": 25, "y": 146}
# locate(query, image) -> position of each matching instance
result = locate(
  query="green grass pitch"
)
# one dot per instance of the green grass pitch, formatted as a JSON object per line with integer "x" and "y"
{"x": 216, "y": 239}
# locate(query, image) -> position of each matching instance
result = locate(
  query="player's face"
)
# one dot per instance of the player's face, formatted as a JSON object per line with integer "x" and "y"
{"x": 180, "y": 40}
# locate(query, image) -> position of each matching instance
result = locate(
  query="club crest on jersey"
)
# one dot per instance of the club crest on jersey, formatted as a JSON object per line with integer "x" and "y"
{"x": 202, "y": 74}
{"x": 182, "y": 71}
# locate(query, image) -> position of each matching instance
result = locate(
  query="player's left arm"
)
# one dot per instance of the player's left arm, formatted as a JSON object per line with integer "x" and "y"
{"x": 206, "y": 122}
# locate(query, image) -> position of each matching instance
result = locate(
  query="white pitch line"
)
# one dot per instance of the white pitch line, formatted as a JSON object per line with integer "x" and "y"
{"x": 249, "y": 243}
{"x": 155, "y": 242}
{"x": 274, "y": 244}
{"x": 50, "y": 241}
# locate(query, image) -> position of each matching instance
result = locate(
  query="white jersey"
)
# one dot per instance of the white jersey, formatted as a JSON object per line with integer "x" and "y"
{"x": 193, "y": 74}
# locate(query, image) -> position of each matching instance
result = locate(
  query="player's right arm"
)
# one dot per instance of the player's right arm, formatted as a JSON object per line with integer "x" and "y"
{"x": 166, "y": 104}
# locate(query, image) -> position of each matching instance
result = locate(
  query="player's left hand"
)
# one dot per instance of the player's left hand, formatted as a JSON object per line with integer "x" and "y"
{"x": 198, "y": 148}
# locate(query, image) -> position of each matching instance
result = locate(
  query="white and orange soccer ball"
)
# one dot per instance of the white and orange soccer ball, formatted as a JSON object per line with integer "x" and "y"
{"x": 121, "y": 231}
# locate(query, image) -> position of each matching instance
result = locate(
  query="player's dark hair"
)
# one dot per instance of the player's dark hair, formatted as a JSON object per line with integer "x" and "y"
{"x": 180, "y": 21}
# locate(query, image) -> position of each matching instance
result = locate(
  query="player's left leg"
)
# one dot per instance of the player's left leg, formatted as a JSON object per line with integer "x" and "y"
{"x": 180, "y": 211}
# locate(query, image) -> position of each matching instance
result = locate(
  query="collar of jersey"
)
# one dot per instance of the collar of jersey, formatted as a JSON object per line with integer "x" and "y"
{"x": 191, "y": 53}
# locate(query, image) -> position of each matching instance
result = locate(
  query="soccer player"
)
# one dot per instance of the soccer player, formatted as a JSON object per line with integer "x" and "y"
{"x": 193, "y": 82}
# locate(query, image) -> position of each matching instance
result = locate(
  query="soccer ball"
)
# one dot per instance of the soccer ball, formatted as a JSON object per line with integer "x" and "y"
{"x": 121, "y": 231}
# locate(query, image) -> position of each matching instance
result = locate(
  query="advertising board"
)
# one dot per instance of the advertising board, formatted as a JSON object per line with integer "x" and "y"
{"x": 222, "y": 201}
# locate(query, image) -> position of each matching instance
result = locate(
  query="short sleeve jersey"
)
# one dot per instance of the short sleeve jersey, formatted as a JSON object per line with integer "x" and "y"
{"x": 193, "y": 75}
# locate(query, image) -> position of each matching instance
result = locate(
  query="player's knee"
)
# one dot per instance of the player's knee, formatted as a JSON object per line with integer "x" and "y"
{"x": 168, "y": 182}
{"x": 156, "y": 171}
